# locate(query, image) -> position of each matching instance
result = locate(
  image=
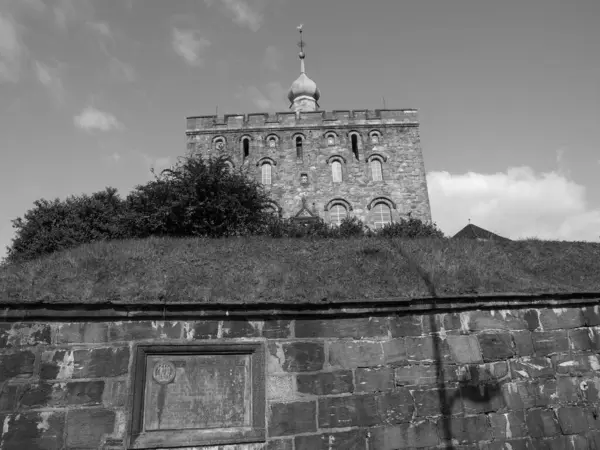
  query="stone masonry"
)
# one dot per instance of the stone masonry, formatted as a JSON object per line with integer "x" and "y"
{"x": 509, "y": 379}
{"x": 326, "y": 137}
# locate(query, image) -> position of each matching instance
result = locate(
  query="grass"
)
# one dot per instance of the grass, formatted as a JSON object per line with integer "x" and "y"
{"x": 258, "y": 269}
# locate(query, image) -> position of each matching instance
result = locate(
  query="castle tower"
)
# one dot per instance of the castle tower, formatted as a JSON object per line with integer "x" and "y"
{"x": 331, "y": 164}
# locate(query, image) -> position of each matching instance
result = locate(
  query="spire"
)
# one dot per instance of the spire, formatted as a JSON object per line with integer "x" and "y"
{"x": 304, "y": 93}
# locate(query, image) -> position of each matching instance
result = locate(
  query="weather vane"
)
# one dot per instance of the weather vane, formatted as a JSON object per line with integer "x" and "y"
{"x": 301, "y": 44}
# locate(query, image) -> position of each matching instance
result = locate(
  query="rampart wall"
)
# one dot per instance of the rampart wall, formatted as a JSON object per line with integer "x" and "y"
{"x": 523, "y": 375}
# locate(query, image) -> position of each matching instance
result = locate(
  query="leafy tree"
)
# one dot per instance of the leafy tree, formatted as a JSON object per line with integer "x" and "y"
{"x": 57, "y": 225}
{"x": 198, "y": 197}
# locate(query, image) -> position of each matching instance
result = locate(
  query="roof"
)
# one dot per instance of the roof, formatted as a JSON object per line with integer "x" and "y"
{"x": 474, "y": 232}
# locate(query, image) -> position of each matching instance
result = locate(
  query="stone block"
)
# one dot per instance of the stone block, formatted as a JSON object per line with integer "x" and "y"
{"x": 351, "y": 354}
{"x": 436, "y": 402}
{"x": 481, "y": 398}
{"x": 115, "y": 393}
{"x": 576, "y": 364}
{"x": 523, "y": 343}
{"x": 326, "y": 383}
{"x": 33, "y": 430}
{"x": 591, "y": 315}
{"x": 277, "y": 329}
{"x": 87, "y": 428}
{"x": 143, "y": 330}
{"x": 357, "y": 328}
{"x": 85, "y": 363}
{"x": 577, "y": 419}
{"x": 25, "y": 335}
{"x": 572, "y": 442}
{"x": 464, "y": 349}
{"x": 296, "y": 356}
{"x": 427, "y": 348}
{"x": 561, "y": 318}
{"x": 531, "y": 367}
{"x": 350, "y": 411}
{"x": 496, "y": 320}
{"x": 549, "y": 342}
{"x": 396, "y": 406}
{"x": 529, "y": 394}
{"x": 343, "y": 440}
{"x": 16, "y": 365}
{"x": 541, "y": 423}
{"x": 416, "y": 435}
{"x": 82, "y": 333}
{"x": 280, "y": 444}
{"x": 472, "y": 429}
{"x": 241, "y": 329}
{"x": 8, "y": 398}
{"x": 532, "y": 318}
{"x": 408, "y": 325}
{"x": 508, "y": 425}
{"x": 581, "y": 339}
{"x": 202, "y": 329}
{"x": 394, "y": 351}
{"x": 496, "y": 346}
{"x": 286, "y": 419}
{"x": 375, "y": 379}
{"x": 508, "y": 444}
{"x": 425, "y": 374}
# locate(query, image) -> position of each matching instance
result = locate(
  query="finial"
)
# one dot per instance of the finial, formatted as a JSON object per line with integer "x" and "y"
{"x": 301, "y": 44}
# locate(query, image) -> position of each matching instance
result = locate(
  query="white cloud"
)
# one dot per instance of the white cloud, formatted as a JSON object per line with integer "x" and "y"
{"x": 66, "y": 11}
{"x": 50, "y": 79}
{"x": 242, "y": 12}
{"x": 101, "y": 28}
{"x": 12, "y": 50}
{"x": 272, "y": 97}
{"x": 517, "y": 204}
{"x": 189, "y": 45}
{"x": 91, "y": 119}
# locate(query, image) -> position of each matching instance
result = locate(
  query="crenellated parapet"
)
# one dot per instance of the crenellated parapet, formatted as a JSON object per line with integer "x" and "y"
{"x": 305, "y": 119}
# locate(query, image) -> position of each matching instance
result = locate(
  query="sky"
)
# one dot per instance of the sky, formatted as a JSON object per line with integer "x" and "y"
{"x": 94, "y": 93}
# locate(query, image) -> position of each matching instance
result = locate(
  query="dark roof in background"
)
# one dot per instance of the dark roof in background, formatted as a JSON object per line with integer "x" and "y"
{"x": 474, "y": 232}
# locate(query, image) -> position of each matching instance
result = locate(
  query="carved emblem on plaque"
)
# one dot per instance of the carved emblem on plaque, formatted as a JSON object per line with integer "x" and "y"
{"x": 163, "y": 372}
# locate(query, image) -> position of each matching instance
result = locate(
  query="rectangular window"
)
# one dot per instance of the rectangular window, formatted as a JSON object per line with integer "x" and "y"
{"x": 336, "y": 171}
{"x": 266, "y": 174}
{"x": 376, "y": 170}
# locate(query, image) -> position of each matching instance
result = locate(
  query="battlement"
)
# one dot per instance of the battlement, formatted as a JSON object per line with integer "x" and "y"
{"x": 303, "y": 119}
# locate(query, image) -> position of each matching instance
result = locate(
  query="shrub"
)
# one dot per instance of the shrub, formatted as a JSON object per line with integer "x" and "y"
{"x": 411, "y": 228}
{"x": 57, "y": 225}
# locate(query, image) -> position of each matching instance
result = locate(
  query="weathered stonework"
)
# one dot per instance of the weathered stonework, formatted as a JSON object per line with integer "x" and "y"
{"x": 403, "y": 188}
{"x": 485, "y": 379}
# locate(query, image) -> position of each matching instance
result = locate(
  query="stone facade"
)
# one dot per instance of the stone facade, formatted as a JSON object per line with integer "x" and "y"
{"x": 487, "y": 379}
{"x": 326, "y": 139}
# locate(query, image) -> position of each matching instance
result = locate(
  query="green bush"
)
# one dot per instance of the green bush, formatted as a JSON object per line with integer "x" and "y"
{"x": 58, "y": 225}
{"x": 411, "y": 228}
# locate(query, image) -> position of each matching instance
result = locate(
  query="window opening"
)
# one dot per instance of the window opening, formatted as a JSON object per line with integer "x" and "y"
{"x": 298, "y": 147}
{"x": 336, "y": 171}
{"x": 382, "y": 215}
{"x": 337, "y": 213}
{"x": 354, "y": 140}
{"x": 266, "y": 173}
{"x": 376, "y": 171}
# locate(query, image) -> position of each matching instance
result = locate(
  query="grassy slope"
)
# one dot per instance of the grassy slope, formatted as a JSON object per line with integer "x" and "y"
{"x": 298, "y": 270}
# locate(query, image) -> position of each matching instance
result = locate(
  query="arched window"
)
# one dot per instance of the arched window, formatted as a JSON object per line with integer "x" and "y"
{"x": 337, "y": 213}
{"x": 246, "y": 147}
{"x": 298, "y": 146}
{"x": 272, "y": 142}
{"x": 354, "y": 142}
{"x": 381, "y": 215}
{"x": 219, "y": 143}
{"x": 266, "y": 173}
{"x": 375, "y": 137}
{"x": 330, "y": 138}
{"x": 336, "y": 171}
{"x": 376, "y": 170}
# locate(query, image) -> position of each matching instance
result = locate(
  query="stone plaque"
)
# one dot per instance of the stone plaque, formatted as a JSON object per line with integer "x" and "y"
{"x": 198, "y": 395}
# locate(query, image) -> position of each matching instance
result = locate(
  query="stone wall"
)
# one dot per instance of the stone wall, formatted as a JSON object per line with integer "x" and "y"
{"x": 477, "y": 379}
{"x": 404, "y": 185}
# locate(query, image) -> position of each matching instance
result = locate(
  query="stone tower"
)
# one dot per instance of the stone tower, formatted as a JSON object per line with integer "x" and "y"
{"x": 332, "y": 164}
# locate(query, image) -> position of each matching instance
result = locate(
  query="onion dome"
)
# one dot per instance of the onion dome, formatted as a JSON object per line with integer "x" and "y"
{"x": 303, "y": 86}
